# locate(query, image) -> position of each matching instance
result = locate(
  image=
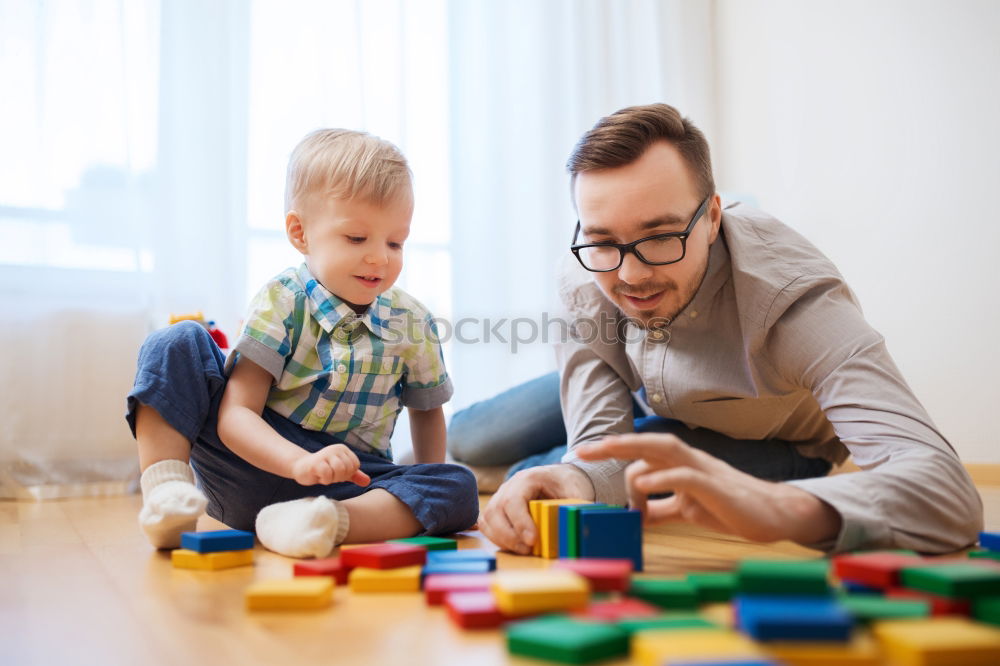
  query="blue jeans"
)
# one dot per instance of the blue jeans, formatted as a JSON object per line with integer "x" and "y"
{"x": 523, "y": 427}
{"x": 180, "y": 374}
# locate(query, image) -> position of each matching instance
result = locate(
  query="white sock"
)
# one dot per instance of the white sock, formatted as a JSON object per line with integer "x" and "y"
{"x": 171, "y": 503}
{"x": 308, "y": 527}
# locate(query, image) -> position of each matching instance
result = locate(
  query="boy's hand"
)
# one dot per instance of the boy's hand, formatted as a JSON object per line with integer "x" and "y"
{"x": 331, "y": 464}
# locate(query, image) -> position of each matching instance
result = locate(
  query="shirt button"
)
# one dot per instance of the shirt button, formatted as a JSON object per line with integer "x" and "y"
{"x": 387, "y": 365}
{"x": 694, "y": 313}
{"x": 341, "y": 368}
{"x": 656, "y": 335}
{"x": 321, "y": 412}
{"x": 656, "y": 397}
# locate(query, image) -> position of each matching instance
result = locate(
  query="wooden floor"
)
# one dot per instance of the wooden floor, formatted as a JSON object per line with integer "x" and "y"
{"x": 80, "y": 585}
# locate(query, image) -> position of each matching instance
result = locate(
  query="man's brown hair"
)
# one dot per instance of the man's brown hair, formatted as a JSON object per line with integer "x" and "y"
{"x": 623, "y": 137}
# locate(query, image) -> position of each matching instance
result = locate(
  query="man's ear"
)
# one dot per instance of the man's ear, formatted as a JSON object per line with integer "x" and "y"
{"x": 295, "y": 232}
{"x": 715, "y": 217}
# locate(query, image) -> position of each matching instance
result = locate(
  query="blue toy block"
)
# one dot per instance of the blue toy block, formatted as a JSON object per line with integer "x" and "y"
{"x": 462, "y": 555}
{"x": 990, "y": 540}
{"x": 793, "y": 618}
{"x": 615, "y": 533}
{"x": 569, "y": 528}
{"x": 217, "y": 541}
{"x": 469, "y": 567}
{"x": 858, "y": 588}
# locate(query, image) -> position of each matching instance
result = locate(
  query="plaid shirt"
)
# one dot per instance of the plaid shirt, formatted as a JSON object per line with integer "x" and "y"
{"x": 339, "y": 372}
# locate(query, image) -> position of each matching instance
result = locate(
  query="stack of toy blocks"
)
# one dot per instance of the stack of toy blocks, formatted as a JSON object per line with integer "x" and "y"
{"x": 576, "y": 528}
{"x": 219, "y": 549}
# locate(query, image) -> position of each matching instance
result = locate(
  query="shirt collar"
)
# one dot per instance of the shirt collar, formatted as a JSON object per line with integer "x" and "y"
{"x": 332, "y": 312}
{"x": 716, "y": 276}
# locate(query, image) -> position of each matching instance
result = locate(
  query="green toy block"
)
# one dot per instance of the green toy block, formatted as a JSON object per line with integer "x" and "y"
{"x": 665, "y": 592}
{"x": 430, "y": 543}
{"x": 714, "y": 586}
{"x": 667, "y": 621}
{"x": 566, "y": 640}
{"x": 784, "y": 577}
{"x": 867, "y": 607}
{"x": 957, "y": 581}
{"x": 985, "y": 555}
{"x": 987, "y": 610}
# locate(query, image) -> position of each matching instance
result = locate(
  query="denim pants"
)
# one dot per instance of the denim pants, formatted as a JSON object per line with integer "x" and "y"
{"x": 523, "y": 427}
{"x": 180, "y": 374}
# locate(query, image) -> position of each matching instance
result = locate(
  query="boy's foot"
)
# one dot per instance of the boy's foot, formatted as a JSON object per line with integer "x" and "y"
{"x": 171, "y": 503}
{"x": 308, "y": 527}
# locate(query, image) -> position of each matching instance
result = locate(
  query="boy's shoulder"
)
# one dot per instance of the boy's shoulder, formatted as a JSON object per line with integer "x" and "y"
{"x": 402, "y": 303}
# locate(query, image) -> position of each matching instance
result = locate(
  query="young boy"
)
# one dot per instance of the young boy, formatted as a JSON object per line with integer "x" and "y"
{"x": 291, "y": 434}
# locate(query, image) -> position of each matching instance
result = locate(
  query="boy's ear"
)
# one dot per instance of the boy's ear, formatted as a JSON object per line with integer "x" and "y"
{"x": 295, "y": 232}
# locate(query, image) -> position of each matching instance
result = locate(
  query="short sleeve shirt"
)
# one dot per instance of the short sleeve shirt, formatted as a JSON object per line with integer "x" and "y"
{"x": 338, "y": 372}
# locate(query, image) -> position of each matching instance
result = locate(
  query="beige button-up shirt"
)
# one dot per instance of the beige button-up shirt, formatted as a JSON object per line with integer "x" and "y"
{"x": 773, "y": 346}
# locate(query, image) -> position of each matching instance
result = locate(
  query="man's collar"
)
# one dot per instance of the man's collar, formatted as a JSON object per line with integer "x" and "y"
{"x": 332, "y": 312}
{"x": 716, "y": 275}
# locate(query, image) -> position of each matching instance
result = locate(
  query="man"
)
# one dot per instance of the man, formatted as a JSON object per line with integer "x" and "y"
{"x": 753, "y": 354}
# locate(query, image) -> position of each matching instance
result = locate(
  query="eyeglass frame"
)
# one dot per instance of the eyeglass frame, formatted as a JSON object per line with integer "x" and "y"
{"x": 629, "y": 248}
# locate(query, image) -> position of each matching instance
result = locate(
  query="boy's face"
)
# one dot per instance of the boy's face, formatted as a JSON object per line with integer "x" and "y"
{"x": 353, "y": 247}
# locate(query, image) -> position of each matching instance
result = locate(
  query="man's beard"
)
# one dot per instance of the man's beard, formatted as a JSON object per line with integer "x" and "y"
{"x": 658, "y": 318}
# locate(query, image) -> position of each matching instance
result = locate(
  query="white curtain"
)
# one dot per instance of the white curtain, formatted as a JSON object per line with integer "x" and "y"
{"x": 142, "y": 151}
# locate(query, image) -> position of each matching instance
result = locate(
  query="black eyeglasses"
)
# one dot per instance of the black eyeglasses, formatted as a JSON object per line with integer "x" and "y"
{"x": 657, "y": 250}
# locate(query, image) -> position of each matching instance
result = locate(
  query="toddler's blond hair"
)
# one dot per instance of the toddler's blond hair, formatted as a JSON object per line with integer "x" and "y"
{"x": 346, "y": 164}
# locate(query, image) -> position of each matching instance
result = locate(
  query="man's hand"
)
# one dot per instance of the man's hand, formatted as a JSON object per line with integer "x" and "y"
{"x": 711, "y": 493}
{"x": 506, "y": 521}
{"x": 331, "y": 464}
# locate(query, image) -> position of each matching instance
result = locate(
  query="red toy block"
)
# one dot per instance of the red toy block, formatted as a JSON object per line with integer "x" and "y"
{"x": 939, "y": 605}
{"x": 613, "y": 611}
{"x": 331, "y": 566}
{"x": 474, "y": 610}
{"x": 438, "y": 586}
{"x": 384, "y": 556}
{"x": 604, "y": 575}
{"x": 879, "y": 570}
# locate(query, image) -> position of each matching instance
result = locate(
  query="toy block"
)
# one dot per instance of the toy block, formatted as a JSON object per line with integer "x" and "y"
{"x": 868, "y": 607}
{"x": 304, "y": 593}
{"x": 428, "y": 542}
{"x": 330, "y": 566}
{"x": 958, "y": 580}
{"x": 569, "y": 526}
{"x": 714, "y": 585}
{"x": 604, "y": 575}
{"x": 566, "y": 640}
{"x": 673, "y": 593}
{"x": 612, "y": 534}
{"x": 674, "y": 621}
{"x": 548, "y": 527}
{"x": 861, "y": 650}
{"x": 217, "y": 541}
{"x": 793, "y": 618}
{"x": 804, "y": 578}
{"x": 943, "y": 640}
{"x": 384, "y": 556}
{"x": 987, "y": 610}
{"x": 532, "y": 591}
{"x": 727, "y": 662}
{"x": 613, "y": 610}
{"x": 403, "y": 579}
{"x": 183, "y": 558}
{"x": 438, "y": 586}
{"x": 990, "y": 540}
{"x": 657, "y": 648}
{"x": 535, "y": 509}
{"x": 463, "y": 555}
{"x": 985, "y": 555}
{"x": 857, "y": 588}
{"x": 469, "y": 567}
{"x": 875, "y": 569}
{"x": 474, "y": 609}
{"x": 939, "y": 605}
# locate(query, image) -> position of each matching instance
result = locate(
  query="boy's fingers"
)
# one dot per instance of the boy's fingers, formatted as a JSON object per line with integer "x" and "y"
{"x": 360, "y": 478}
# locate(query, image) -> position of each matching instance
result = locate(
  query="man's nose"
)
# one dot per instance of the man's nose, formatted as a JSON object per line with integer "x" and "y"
{"x": 633, "y": 271}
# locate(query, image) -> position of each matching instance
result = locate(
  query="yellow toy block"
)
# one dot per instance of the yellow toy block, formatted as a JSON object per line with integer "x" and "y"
{"x": 183, "y": 558}
{"x": 527, "y": 591}
{"x": 402, "y": 579}
{"x": 861, "y": 650}
{"x": 535, "y": 509}
{"x": 304, "y": 592}
{"x": 938, "y": 641}
{"x": 548, "y": 528}
{"x": 656, "y": 647}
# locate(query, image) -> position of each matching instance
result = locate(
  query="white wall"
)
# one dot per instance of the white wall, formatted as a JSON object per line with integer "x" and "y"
{"x": 874, "y": 129}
